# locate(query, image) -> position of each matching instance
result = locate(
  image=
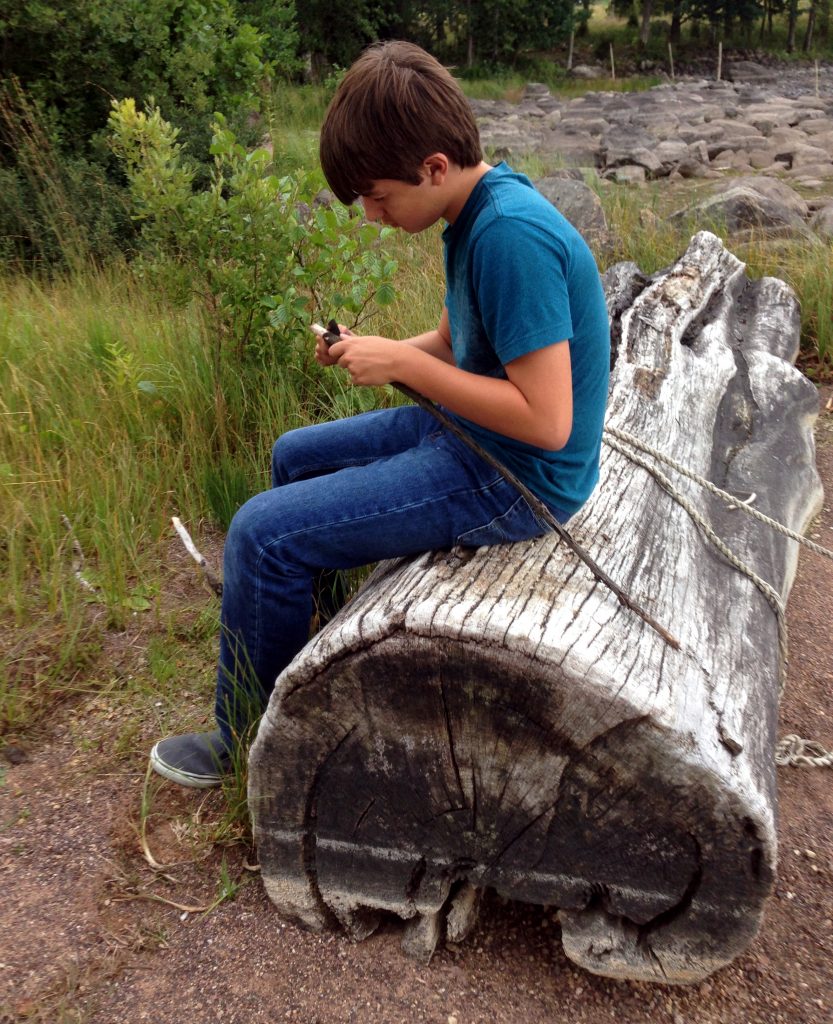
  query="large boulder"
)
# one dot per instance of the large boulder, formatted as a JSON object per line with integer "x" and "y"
{"x": 758, "y": 204}
{"x": 749, "y": 71}
{"x": 822, "y": 222}
{"x": 579, "y": 204}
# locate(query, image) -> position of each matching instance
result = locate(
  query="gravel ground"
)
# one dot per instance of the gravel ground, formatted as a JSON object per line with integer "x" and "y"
{"x": 82, "y": 942}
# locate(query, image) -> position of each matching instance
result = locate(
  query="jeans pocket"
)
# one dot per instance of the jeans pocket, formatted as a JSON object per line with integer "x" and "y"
{"x": 516, "y": 523}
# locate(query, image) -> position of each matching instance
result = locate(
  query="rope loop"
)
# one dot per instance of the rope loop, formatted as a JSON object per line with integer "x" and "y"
{"x": 792, "y": 750}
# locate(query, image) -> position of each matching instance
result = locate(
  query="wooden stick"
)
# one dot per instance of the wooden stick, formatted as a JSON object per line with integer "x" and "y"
{"x": 671, "y": 60}
{"x": 77, "y": 558}
{"x": 210, "y": 577}
{"x": 719, "y": 60}
{"x": 612, "y": 64}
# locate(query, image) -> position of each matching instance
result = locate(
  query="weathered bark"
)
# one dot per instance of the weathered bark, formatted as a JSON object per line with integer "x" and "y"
{"x": 496, "y": 718}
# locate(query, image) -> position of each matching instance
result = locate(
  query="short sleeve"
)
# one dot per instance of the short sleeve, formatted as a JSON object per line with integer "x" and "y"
{"x": 519, "y": 274}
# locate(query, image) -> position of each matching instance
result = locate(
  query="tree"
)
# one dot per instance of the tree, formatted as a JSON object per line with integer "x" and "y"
{"x": 501, "y": 29}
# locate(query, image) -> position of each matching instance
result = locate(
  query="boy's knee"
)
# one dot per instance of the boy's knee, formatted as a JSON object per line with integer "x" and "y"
{"x": 285, "y": 455}
{"x": 242, "y": 539}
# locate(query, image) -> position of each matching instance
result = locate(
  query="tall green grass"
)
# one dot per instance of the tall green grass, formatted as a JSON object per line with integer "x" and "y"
{"x": 111, "y": 415}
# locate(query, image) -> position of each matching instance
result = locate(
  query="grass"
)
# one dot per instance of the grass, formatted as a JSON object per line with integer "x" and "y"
{"x": 511, "y": 86}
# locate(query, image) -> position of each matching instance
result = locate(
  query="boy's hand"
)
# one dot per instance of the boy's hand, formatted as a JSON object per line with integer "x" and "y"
{"x": 322, "y": 349}
{"x": 370, "y": 360}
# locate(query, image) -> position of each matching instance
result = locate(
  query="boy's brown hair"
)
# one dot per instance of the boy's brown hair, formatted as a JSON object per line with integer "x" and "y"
{"x": 395, "y": 106}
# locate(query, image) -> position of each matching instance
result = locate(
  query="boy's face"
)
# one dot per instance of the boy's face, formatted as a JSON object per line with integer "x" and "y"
{"x": 402, "y": 205}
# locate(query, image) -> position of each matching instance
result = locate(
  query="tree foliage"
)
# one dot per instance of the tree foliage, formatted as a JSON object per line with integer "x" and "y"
{"x": 191, "y": 56}
{"x": 266, "y": 255}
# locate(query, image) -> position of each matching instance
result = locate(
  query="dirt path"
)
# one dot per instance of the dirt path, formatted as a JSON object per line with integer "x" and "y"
{"x": 80, "y": 941}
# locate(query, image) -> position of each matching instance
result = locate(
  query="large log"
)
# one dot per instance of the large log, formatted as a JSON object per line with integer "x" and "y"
{"x": 495, "y": 718}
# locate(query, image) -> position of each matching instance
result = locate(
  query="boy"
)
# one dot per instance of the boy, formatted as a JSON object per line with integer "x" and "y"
{"x": 520, "y": 357}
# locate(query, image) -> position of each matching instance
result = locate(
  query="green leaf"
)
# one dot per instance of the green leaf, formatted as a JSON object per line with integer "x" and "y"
{"x": 385, "y": 294}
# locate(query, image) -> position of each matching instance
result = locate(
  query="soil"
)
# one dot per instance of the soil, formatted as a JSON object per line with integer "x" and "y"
{"x": 84, "y": 938}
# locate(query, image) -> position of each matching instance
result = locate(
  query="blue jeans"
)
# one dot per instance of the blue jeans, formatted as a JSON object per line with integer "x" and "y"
{"x": 381, "y": 485}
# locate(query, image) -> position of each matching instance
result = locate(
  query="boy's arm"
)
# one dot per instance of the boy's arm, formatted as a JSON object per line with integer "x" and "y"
{"x": 534, "y": 405}
{"x": 437, "y": 342}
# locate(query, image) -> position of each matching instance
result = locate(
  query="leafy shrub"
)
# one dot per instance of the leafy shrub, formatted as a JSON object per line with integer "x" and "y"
{"x": 64, "y": 61}
{"x": 266, "y": 255}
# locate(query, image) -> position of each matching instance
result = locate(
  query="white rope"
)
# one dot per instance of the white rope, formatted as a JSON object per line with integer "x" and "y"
{"x": 791, "y": 750}
{"x": 732, "y": 499}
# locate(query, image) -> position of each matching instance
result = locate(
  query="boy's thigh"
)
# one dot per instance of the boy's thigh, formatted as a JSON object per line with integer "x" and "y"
{"x": 356, "y": 440}
{"x": 434, "y": 495}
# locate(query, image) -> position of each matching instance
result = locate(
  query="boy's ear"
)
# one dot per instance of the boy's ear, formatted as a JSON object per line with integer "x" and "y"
{"x": 435, "y": 167}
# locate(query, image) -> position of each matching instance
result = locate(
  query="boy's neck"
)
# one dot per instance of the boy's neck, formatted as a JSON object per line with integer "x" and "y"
{"x": 461, "y": 182}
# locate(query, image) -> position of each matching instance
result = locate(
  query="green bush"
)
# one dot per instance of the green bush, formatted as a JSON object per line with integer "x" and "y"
{"x": 267, "y": 255}
{"x": 62, "y": 65}
{"x": 191, "y": 56}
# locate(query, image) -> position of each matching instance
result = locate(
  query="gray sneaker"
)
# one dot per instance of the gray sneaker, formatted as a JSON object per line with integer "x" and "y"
{"x": 198, "y": 759}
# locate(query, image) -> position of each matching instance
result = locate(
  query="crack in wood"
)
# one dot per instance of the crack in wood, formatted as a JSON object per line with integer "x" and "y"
{"x": 363, "y": 815}
{"x": 415, "y": 880}
{"x": 683, "y": 905}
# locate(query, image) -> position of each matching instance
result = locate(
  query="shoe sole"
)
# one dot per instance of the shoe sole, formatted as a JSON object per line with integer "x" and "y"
{"x": 181, "y": 777}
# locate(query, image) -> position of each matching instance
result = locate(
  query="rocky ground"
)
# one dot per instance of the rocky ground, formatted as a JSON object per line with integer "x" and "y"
{"x": 768, "y": 121}
{"x": 84, "y": 938}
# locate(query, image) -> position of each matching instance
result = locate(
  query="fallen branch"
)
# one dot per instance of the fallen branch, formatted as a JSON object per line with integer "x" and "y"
{"x": 211, "y": 578}
{"x": 77, "y": 558}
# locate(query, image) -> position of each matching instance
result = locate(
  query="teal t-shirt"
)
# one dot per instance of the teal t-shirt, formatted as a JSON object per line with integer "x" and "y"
{"x": 520, "y": 277}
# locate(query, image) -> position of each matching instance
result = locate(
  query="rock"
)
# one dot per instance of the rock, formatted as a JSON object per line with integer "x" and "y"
{"x": 578, "y": 125}
{"x": 619, "y": 150}
{"x": 761, "y": 158}
{"x": 699, "y": 151}
{"x": 671, "y": 153}
{"x": 741, "y": 207}
{"x": 577, "y": 150}
{"x": 748, "y": 71}
{"x": 740, "y": 162}
{"x": 735, "y": 140}
{"x": 817, "y": 125}
{"x": 805, "y": 155}
{"x": 579, "y": 204}
{"x": 627, "y": 174}
{"x": 648, "y": 219}
{"x": 825, "y": 142}
{"x": 723, "y": 161}
{"x": 587, "y": 71}
{"x": 778, "y": 191}
{"x": 694, "y": 169}
{"x": 806, "y": 172}
{"x": 822, "y": 222}
{"x": 701, "y": 133}
{"x": 692, "y": 129}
